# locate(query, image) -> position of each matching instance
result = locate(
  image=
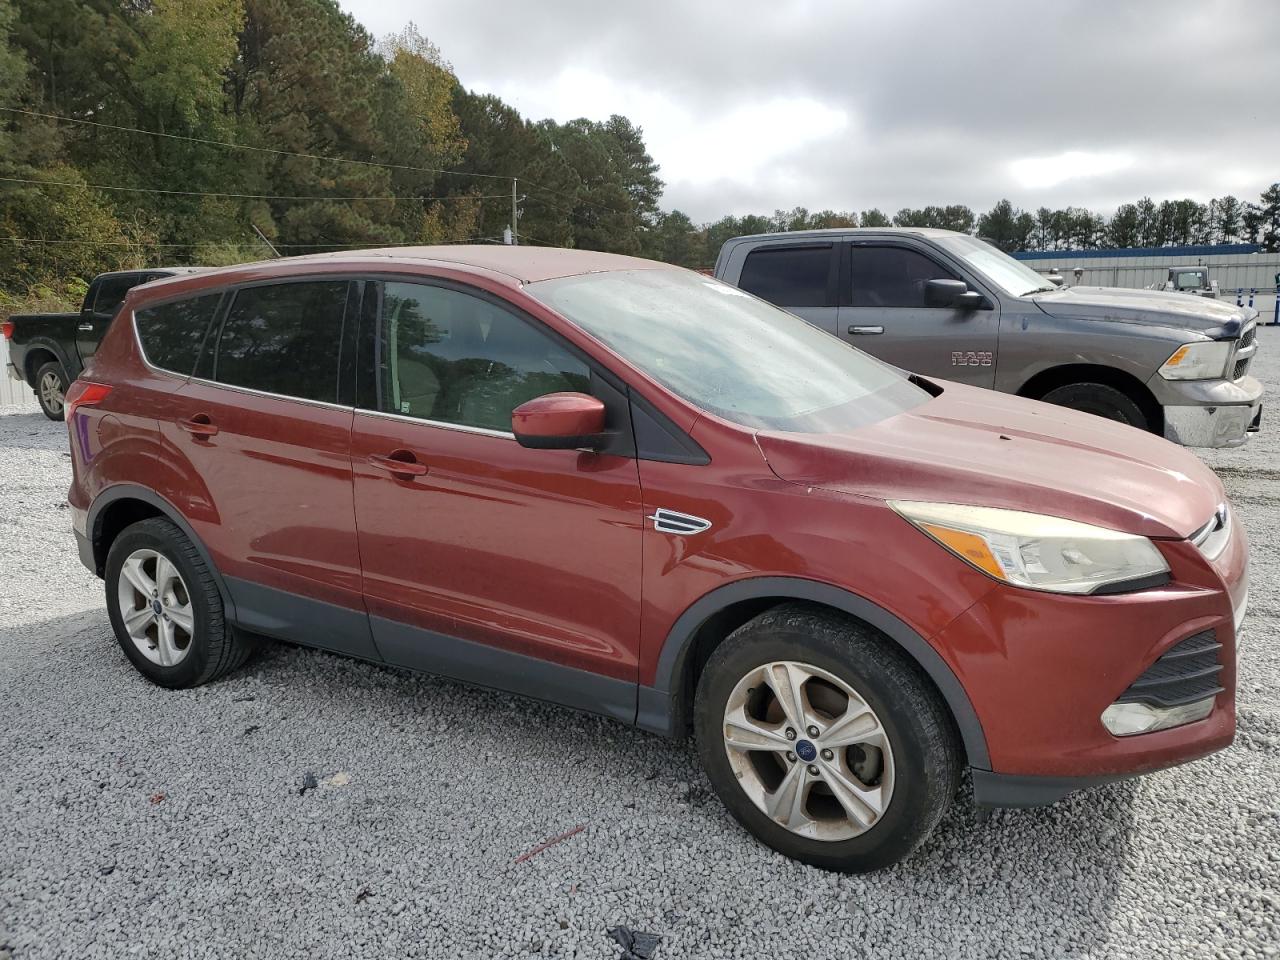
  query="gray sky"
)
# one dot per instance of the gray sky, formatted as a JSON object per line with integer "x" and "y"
{"x": 749, "y": 106}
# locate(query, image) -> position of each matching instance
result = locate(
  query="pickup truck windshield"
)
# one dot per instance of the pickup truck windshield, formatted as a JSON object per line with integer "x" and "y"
{"x": 730, "y": 354}
{"x": 1010, "y": 275}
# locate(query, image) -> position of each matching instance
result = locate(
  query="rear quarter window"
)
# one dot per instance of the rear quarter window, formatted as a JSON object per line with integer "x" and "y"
{"x": 171, "y": 334}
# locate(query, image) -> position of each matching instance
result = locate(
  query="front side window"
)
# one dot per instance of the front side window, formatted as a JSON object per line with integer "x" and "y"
{"x": 285, "y": 339}
{"x": 892, "y": 276}
{"x": 729, "y": 353}
{"x": 171, "y": 333}
{"x": 450, "y": 357}
{"x": 788, "y": 276}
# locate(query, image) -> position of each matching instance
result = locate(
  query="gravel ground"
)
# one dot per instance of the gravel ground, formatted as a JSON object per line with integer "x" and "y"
{"x": 144, "y": 822}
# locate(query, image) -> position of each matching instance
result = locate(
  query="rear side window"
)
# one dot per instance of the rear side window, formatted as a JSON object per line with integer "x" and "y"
{"x": 111, "y": 291}
{"x": 789, "y": 277}
{"x": 171, "y": 334}
{"x": 284, "y": 338}
{"x": 892, "y": 276}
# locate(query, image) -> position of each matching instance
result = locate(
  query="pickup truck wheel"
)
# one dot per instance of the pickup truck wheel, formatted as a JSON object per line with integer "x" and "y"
{"x": 1101, "y": 400}
{"x": 825, "y": 741}
{"x": 51, "y": 389}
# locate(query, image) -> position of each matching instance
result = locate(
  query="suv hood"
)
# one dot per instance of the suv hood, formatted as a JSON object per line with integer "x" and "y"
{"x": 982, "y": 448}
{"x": 1156, "y": 307}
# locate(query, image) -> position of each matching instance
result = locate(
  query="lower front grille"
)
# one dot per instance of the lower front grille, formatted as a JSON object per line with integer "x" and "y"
{"x": 1241, "y": 368}
{"x": 1186, "y": 673}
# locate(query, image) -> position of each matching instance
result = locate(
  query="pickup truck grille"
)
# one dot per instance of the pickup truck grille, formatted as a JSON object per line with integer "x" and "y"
{"x": 1245, "y": 349}
{"x": 1241, "y": 368}
{"x": 1187, "y": 672}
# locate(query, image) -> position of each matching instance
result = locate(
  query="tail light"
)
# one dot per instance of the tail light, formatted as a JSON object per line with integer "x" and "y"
{"x": 84, "y": 393}
{"x": 6, "y": 328}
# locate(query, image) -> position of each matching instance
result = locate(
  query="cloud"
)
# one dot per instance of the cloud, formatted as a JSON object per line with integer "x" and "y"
{"x": 752, "y": 106}
{"x": 1041, "y": 172}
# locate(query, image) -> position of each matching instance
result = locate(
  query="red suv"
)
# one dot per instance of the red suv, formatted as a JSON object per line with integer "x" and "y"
{"x": 634, "y": 490}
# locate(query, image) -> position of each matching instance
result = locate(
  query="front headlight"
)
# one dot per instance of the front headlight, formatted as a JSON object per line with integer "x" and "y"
{"x": 1039, "y": 552}
{"x": 1206, "y": 360}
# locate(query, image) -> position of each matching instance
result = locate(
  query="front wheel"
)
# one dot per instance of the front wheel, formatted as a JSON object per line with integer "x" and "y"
{"x": 824, "y": 740}
{"x": 51, "y": 389}
{"x": 1101, "y": 400}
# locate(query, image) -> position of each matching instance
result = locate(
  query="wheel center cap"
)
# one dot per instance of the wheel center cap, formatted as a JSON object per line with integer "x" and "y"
{"x": 806, "y": 751}
{"x": 157, "y": 609}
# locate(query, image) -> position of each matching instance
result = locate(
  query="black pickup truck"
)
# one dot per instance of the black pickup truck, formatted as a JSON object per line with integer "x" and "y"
{"x": 48, "y": 350}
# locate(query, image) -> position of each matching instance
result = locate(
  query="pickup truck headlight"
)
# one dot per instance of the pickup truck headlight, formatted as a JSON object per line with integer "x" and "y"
{"x": 1205, "y": 360}
{"x": 1039, "y": 552}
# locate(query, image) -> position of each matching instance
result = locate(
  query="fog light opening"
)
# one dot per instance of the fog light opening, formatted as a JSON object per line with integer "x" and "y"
{"x": 1129, "y": 719}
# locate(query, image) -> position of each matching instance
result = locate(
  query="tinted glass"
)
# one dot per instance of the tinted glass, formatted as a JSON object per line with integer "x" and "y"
{"x": 795, "y": 277}
{"x": 172, "y": 333}
{"x": 452, "y": 357}
{"x": 284, "y": 339}
{"x": 892, "y": 276}
{"x": 111, "y": 292}
{"x": 728, "y": 352}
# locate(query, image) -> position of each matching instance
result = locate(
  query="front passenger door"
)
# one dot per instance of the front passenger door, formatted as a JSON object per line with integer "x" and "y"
{"x": 482, "y": 559}
{"x": 884, "y": 312}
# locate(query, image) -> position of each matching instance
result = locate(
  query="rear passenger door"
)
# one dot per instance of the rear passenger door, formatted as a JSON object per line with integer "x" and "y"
{"x": 799, "y": 277}
{"x": 884, "y": 312}
{"x": 264, "y": 428}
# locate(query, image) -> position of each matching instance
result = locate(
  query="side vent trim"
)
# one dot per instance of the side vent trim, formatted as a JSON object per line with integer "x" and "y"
{"x": 684, "y": 524}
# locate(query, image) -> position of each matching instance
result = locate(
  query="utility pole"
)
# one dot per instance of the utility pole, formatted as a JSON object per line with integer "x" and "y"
{"x": 513, "y": 211}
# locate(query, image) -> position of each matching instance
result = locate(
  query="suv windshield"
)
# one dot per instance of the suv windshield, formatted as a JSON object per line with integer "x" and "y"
{"x": 729, "y": 353}
{"x": 1012, "y": 276}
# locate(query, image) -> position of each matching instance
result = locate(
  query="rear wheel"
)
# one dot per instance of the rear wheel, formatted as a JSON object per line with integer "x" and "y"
{"x": 824, "y": 740}
{"x": 165, "y": 607}
{"x": 1101, "y": 400}
{"x": 51, "y": 389}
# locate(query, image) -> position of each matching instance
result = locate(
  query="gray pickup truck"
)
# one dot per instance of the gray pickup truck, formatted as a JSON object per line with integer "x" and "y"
{"x": 948, "y": 305}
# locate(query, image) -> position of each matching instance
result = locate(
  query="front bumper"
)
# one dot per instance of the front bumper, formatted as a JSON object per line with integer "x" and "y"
{"x": 1210, "y": 413}
{"x": 1041, "y": 669}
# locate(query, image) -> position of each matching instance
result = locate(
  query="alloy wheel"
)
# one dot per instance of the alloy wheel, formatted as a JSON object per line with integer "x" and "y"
{"x": 51, "y": 392}
{"x": 808, "y": 750}
{"x": 155, "y": 607}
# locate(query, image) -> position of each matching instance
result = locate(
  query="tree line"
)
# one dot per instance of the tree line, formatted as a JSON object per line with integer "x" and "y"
{"x": 140, "y": 132}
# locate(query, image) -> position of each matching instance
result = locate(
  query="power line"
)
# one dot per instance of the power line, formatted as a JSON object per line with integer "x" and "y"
{"x": 238, "y": 196}
{"x": 245, "y": 146}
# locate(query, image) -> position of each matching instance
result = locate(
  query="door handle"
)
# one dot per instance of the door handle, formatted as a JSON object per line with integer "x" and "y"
{"x": 864, "y": 330}
{"x": 85, "y": 326}
{"x": 399, "y": 462}
{"x": 199, "y": 426}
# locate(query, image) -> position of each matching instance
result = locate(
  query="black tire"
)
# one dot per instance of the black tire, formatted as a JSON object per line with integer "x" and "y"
{"x": 215, "y": 648}
{"x": 53, "y": 408}
{"x": 1101, "y": 400}
{"x": 926, "y": 754}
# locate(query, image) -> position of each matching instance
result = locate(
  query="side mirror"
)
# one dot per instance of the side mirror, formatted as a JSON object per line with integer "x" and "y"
{"x": 559, "y": 421}
{"x": 951, "y": 293}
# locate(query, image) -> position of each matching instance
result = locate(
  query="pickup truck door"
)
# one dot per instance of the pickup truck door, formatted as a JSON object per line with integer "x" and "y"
{"x": 100, "y": 305}
{"x": 883, "y": 311}
{"x": 800, "y": 277}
